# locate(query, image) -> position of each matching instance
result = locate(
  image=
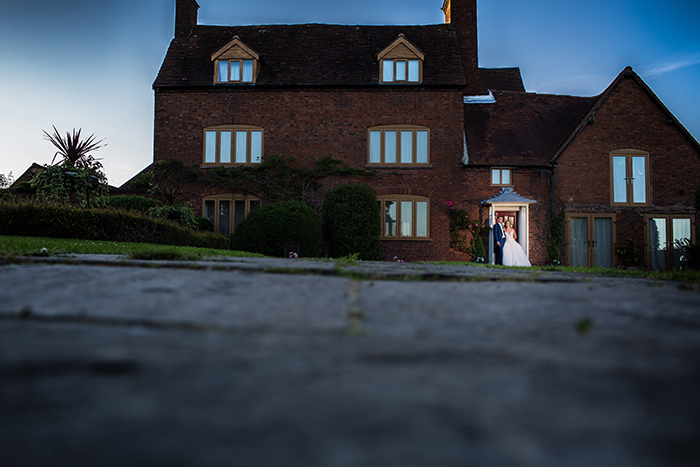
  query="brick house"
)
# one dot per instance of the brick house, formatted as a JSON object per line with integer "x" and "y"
{"x": 410, "y": 105}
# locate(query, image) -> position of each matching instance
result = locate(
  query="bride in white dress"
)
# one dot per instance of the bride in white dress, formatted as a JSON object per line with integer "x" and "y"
{"x": 513, "y": 254}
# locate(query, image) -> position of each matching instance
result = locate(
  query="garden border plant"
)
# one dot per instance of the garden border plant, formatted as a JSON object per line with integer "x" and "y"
{"x": 59, "y": 221}
{"x": 352, "y": 222}
{"x": 460, "y": 221}
{"x": 269, "y": 230}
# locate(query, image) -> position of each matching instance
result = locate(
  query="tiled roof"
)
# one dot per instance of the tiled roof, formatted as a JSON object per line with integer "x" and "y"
{"x": 521, "y": 128}
{"x": 28, "y": 174}
{"x": 312, "y": 54}
{"x": 508, "y": 195}
{"x": 599, "y": 101}
{"x": 502, "y": 79}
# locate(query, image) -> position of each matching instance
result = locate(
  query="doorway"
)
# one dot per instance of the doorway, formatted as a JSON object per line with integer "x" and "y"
{"x": 590, "y": 240}
{"x": 511, "y": 216}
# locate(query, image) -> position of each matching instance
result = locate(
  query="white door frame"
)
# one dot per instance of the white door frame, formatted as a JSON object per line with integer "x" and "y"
{"x": 523, "y": 210}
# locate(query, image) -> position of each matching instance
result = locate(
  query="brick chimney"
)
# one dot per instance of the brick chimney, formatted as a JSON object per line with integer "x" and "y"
{"x": 461, "y": 14}
{"x": 185, "y": 17}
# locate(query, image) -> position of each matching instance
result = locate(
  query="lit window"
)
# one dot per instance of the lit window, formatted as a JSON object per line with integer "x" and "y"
{"x": 501, "y": 177}
{"x": 233, "y": 144}
{"x": 236, "y": 63}
{"x": 404, "y": 217}
{"x": 225, "y": 212}
{"x": 401, "y": 62}
{"x": 399, "y": 144}
{"x": 629, "y": 177}
{"x": 401, "y": 71}
{"x": 669, "y": 238}
{"x": 235, "y": 71}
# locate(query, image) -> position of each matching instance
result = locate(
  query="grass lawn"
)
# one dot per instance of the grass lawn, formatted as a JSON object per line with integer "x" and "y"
{"x": 26, "y": 246}
{"x": 691, "y": 276}
{"x": 29, "y": 246}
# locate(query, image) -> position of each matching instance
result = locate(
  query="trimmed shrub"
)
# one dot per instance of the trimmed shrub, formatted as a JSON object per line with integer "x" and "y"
{"x": 180, "y": 214}
{"x": 202, "y": 224}
{"x": 268, "y": 229}
{"x": 128, "y": 203}
{"x": 351, "y": 222}
{"x": 479, "y": 251}
{"x": 57, "y": 221}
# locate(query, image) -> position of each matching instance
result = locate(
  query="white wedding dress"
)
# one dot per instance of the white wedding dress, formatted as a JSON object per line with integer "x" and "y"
{"x": 513, "y": 254}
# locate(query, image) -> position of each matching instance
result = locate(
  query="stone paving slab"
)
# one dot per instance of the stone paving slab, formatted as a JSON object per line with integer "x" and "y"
{"x": 116, "y": 363}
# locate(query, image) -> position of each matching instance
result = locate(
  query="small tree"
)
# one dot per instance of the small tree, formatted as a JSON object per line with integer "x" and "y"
{"x": 555, "y": 249}
{"x": 170, "y": 180}
{"x": 351, "y": 222}
{"x": 6, "y": 181}
{"x": 78, "y": 172}
{"x": 466, "y": 234}
{"x": 74, "y": 151}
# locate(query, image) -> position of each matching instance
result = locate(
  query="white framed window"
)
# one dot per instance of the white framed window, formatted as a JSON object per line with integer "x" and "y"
{"x": 233, "y": 144}
{"x": 398, "y": 145}
{"x": 501, "y": 177}
{"x": 226, "y": 211}
{"x": 404, "y": 217}
{"x": 629, "y": 177}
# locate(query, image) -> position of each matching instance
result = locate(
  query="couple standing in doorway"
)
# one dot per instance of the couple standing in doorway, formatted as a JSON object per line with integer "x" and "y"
{"x": 508, "y": 251}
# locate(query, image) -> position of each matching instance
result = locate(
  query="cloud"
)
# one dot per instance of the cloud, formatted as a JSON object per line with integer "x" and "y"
{"x": 666, "y": 67}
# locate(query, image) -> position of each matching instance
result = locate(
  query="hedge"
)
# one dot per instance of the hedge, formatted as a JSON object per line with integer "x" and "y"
{"x": 351, "y": 222}
{"x": 271, "y": 228}
{"x": 127, "y": 203}
{"x": 57, "y": 221}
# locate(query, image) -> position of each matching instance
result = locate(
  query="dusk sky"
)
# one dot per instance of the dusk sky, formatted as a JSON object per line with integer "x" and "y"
{"x": 90, "y": 64}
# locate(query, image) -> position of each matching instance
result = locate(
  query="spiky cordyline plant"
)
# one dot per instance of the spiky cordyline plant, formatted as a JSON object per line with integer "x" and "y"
{"x": 73, "y": 150}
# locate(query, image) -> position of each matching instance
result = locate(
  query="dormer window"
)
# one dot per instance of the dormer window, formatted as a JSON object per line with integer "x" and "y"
{"x": 401, "y": 63}
{"x": 232, "y": 71}
{"x": 397, "y": 71}
{"x": 236, "y": 63}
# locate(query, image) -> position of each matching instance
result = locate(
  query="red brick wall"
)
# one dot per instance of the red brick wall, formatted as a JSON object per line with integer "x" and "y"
{"x": 629, "y": 118}
{"x": 532, "y": 183}
{"x": 314, "y": 123}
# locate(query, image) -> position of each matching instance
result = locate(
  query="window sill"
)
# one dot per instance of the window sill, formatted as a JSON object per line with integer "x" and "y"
{"x": 398, "y": 166}
{"x": 239, "y": 164}
{"x": 630, "y": 205}
{"x": 406, "y": 239}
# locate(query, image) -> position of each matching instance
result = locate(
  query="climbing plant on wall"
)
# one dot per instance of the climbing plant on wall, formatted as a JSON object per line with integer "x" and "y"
{"x": 466, "y": 234}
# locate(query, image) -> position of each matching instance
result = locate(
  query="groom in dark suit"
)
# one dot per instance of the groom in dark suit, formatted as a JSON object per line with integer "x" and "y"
{"x": 499, "y": 239}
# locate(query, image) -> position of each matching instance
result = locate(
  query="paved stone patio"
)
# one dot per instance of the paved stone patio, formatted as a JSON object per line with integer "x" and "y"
{"x": 105, "y": 361}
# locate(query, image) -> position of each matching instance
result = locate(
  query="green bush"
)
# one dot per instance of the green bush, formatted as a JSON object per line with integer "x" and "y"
{"x": 351, "y": 222}
{"x": 203, "y": 224}
{"x": 69, "y": 184}
{"x": 270, "y": 228}
{"x": 128, "y": 203}
{"x": 479, "y": 251}
{"x": 57, "y": 221}
{"x": 180, "y": 214}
